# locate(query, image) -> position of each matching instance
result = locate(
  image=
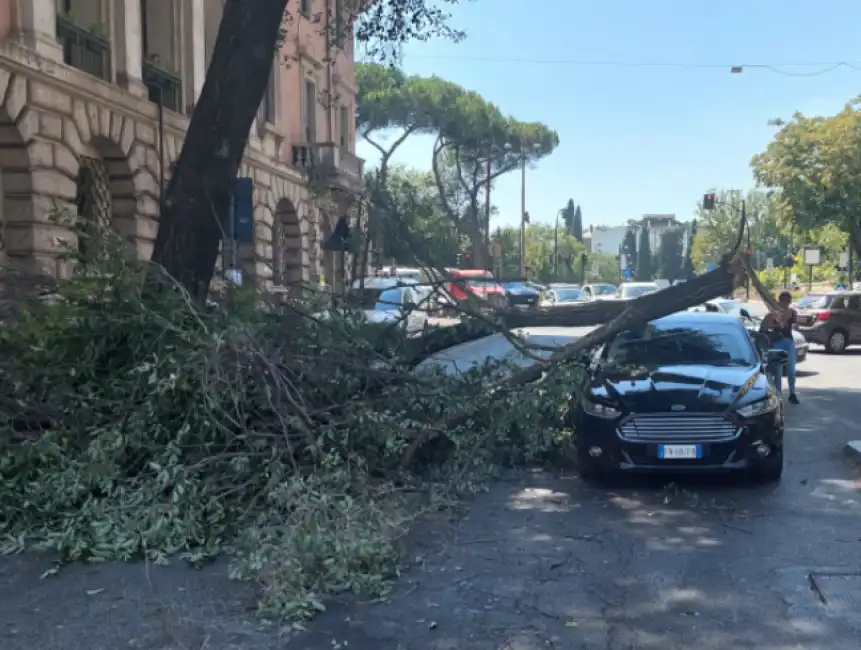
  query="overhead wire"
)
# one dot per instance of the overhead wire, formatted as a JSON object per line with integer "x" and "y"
{"x": 777, "y": 68}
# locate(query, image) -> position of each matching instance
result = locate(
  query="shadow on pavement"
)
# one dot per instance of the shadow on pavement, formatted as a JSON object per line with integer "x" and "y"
{"x": 541, "y": 561}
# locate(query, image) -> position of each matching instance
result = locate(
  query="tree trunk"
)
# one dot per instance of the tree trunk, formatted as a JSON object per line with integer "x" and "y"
{"x": 705, "y": 287}
{"x": 197, "y": 201}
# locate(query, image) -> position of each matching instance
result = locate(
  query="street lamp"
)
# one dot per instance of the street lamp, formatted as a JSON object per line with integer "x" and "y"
{"x": 523, "y": 214}
{"x": 556, "y": 246}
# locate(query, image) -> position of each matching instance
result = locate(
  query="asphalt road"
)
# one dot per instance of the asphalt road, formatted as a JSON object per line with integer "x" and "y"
{"x": 540, "y": 561}
{"x": 547, "y": 562}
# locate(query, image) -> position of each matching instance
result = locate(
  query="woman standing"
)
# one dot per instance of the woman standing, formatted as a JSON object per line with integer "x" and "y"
{"x": 778, "y": 326}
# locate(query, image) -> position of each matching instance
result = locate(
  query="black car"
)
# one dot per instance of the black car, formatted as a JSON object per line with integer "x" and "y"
{"x": 519, "y": 294}
{"x": 691, "y": 392}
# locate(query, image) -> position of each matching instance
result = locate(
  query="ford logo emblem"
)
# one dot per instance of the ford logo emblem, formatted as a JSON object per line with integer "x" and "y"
{"x": 677, "y": 407}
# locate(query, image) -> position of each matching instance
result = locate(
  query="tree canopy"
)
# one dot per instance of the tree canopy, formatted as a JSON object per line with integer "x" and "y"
{"x": 815, "y": 163}
{"x": 643, "y": 272}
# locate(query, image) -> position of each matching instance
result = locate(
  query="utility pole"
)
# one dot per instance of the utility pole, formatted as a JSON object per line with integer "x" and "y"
{"x": 556, "y": 248}
{"x": 522, "y": 214}
{"x": 487, "y": 206}
{"x": 746, "y": 225}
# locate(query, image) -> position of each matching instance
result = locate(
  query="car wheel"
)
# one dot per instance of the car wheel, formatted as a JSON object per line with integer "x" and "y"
{"x": 836, "y": 342}
{"x": 587, "y": 468}
{"x": 771, "y": 469}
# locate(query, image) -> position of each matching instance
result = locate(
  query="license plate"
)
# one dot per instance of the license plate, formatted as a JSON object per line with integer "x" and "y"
{"x": 671, "y": 452}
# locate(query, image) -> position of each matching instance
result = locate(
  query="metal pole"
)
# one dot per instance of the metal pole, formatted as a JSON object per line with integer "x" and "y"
{"x": 523, "y": 214}
{"x": 747, "y": 225}
{"x": 487, "y": 207}
{"x": 556, "y": 249}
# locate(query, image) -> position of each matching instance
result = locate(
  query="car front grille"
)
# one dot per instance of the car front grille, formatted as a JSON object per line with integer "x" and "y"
{"x": 690, "y": 427}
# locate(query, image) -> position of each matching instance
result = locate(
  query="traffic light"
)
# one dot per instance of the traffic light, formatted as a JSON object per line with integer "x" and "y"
{"x": 708, "y": 201}
{"x": 459, "y": 259}
{"x": 583, "y": 258}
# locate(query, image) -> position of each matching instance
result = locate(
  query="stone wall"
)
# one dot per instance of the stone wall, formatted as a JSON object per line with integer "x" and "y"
{"x": 53, "y": 117}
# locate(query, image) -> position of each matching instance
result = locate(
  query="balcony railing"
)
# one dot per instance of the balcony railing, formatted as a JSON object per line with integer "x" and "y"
{"x": 164, "y": 87}
{"x": 84, "y": 49}
{"x": 328, "y": 159}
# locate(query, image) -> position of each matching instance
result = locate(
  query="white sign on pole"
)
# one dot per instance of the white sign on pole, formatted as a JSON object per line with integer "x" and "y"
{"x": 844, "y": 260}
{"x": 812, "y": 256}
{"x": 769, "y": 264}
{"x": 623, "y": 262}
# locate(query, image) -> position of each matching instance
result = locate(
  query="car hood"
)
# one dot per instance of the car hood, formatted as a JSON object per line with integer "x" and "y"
{"x": 381, "y": 316}
{"x": 693, "y": 388}
{"x": 521, "y": 291}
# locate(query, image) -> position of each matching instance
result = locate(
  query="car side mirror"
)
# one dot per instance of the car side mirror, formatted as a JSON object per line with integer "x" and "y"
{"x": 763, "y": 344}
{"x": 774, "y": 358}
{"x": 745, "y": 314}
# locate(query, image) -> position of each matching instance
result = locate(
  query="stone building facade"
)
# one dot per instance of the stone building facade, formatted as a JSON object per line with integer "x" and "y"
{"x": 81, "y": 86}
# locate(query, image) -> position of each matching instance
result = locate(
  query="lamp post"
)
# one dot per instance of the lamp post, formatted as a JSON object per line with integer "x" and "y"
{"x": 524, "y": 218}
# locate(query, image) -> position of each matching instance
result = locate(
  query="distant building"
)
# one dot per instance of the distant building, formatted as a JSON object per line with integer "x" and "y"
{"x": 609, "y": 239}
{"x": 604, "y": 239}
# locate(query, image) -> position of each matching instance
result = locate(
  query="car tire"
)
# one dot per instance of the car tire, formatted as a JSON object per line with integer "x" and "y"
{"x": 837, "y": 341}
{"x": 771, "y": 469}
{"x": 587, "y": 468}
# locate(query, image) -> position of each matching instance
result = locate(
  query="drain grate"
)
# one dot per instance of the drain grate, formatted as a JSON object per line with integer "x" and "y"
{"x": 838, "y": 591}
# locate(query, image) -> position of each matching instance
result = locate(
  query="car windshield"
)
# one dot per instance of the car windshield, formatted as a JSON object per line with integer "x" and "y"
{"x": 705, "y": 344}
{"x": 569, "y": 295}
{"x": 481, "y": 282}
{"x": 389, "y": 300}
{"x": 603, "y": 289}
{"x": 638, "y": 290}
{"x": 515, "y": 285}
{"x": 812, "y": 301}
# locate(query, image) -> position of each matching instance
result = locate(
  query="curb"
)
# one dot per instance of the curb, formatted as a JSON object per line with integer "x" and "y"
{"x": 853, "y": 450}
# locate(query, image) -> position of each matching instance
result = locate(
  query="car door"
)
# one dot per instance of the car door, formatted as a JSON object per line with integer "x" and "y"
{"x": 853, "y": 318}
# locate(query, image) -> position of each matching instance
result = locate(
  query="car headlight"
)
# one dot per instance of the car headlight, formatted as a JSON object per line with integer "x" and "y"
{"x": 602, "y": 411}
{"x": 766, "y": 405}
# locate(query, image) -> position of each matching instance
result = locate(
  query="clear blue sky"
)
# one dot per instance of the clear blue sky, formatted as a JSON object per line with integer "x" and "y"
{"x": 641, "y": 138}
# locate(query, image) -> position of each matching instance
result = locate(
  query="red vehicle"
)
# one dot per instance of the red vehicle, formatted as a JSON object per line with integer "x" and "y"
{"x": 478, "y": 282}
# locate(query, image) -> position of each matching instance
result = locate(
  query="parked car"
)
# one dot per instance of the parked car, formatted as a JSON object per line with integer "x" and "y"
{"x": 600, "y": 291}
{"x": 834, "y": 320}
{"x": 477, "y": 282}
{"x": 631, "y": 290}
{"x": 519, "y": 294}
{"x": 690, "y": 392}
{"x": 752, "y": 323}
{"x": 562, "y": 296}
{"x": 393, "y": 304}
{"x": 807, "y": 300}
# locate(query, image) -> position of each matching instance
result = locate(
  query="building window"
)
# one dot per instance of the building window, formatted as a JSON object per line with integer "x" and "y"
{"x": 305, "y": 8}
{"x": 345, "y": 127}
{"x": 309, "y": 111}
{"x": 269, "y": 107}
{"x": 338, "y": 24}
{"x": 164, "y": 86}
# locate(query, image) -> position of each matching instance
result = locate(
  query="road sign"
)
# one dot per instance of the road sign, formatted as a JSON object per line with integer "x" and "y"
{"x": 843, "y": 263}
{"x": 623, "y": 262}
{"x": 711, "y": 266}
{"x": 628, "y": 274}
{"x": 769, "y": 264}
{"x": 812, "y": 256}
